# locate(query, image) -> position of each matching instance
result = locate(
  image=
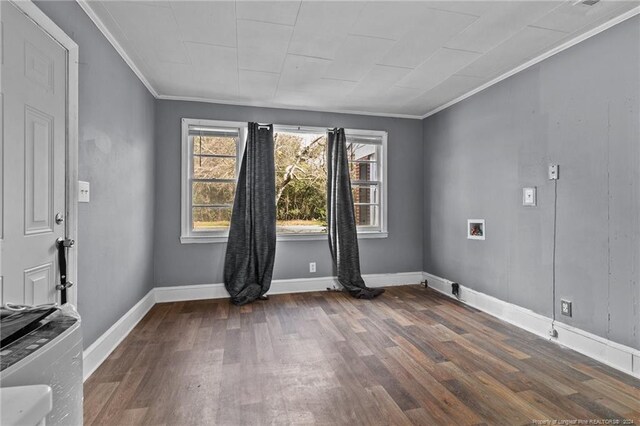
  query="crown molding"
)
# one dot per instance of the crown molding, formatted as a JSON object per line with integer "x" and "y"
{"x": 564, "y": 46}
{"x": 84, "y": 4}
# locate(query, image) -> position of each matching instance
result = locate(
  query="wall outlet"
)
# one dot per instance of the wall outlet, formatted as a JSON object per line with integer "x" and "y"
{"x": 312, "y": 267}
{"x": 529, "y": 196}
{"x": 565, "y": 307}
{"x": 554, "y": 171}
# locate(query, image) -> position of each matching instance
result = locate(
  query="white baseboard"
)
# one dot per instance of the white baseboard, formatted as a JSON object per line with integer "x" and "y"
{"x": 299, "y": 285}
{"x": 189, "y": 292}
{"x": 620, "y": 357}
{"x": 99, "y": 350}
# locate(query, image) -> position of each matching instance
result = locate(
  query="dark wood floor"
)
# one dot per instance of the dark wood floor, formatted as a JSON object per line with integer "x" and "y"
{"x": 411, "y": 356}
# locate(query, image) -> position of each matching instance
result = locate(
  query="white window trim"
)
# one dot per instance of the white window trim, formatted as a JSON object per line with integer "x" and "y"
{"x": 383, "y": 135}
{"x": 189, "y": 236}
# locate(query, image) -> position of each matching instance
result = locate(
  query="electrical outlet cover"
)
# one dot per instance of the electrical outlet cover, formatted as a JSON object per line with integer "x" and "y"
{"x": 565, "y": 308}
{"x": 529, "y": 196}
{"x": 84, "y": 194}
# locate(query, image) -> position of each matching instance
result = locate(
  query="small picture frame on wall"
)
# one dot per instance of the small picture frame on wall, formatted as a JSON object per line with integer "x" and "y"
{"x": 476, "y": 229}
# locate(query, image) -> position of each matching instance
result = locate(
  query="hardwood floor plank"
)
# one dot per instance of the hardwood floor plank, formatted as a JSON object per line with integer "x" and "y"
{"x": 631, "y": 401}
{"x": 420, "y": 416}
{"x": 433, "y": 349}
{"x": 392, "y": 385}
{"x": 633, "y": 391}
{"x": 442, "y": 397}
{"x": 599, "y": 410}
{"x": 493, "y": 362}
{"x": 131, "y": 416}
{"x": 120, "y": 397}
{"x": 546, "y": 408}
{"x": 477, "y": 403}
{"x": 518, "y": 404}
{"x": 411, "y": 356}
{"x": 346, "y": 331}
{"x": 96, "y": 397}
{"x": 496, "y": 347}
{"x": 388, "y": 407}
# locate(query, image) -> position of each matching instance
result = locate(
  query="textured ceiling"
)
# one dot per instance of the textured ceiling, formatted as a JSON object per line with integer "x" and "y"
{"x": 396, "y": 58}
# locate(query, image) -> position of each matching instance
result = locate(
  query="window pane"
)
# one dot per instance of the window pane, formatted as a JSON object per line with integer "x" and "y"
{"x": 213, "y": 192}
{"x": 365, "y": 193}
{"x": 220, "y": 145}
{"x": 301, "y": 181}
{"x": 360, "y": 151}
{"x": 214, "y": 167}
{"x": 367, "y": 215}
{"x": 211, "y": 218}
{"x": 363, "y": 171}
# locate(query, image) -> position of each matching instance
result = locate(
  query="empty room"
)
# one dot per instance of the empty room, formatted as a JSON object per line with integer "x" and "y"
{"x": 320, "y": 212}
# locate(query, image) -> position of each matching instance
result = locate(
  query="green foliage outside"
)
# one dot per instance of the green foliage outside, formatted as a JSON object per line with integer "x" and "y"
{"x": 301, "y": 179}
{"x": 301, "y": 182}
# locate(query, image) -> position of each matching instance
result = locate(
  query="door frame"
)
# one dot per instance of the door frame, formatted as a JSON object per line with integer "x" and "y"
{"x": 71, "y": 161}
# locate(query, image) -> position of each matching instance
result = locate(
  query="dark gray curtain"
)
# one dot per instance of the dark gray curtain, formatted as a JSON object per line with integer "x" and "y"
{"x": 343, "y": 237}
{"x": 251, "y": 249}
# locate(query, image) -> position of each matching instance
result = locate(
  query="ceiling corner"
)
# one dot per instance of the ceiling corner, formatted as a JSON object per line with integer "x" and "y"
{"x": 86, "y": 7}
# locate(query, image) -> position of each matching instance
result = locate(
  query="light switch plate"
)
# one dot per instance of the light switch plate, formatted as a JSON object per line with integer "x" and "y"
{"x": 529, "y": 196}
{"x": 84, "y": 195}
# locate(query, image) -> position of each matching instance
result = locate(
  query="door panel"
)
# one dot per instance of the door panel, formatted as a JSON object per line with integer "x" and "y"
{"x": 38, "y": 156}
{"x": 39, "y": 285}
{"x": 38, "y": 67}
{"x": 34, "y": 152}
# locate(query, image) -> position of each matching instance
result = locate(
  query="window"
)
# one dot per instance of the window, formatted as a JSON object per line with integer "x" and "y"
{"x": 211, "y": 160}
{"x": 301, "y": 180}
{"x": 365, "y": 153}
{"x": 211, "y": 153}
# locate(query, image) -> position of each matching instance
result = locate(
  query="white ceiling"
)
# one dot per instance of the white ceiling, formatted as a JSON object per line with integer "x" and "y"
{"x": 391, "y": 58}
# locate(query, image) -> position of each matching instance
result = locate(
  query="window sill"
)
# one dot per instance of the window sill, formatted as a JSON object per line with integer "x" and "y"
{"x": 203, "y": 239}
{"x": 209, "y": 239}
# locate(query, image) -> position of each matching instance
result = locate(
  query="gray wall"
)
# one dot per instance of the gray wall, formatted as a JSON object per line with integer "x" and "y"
{"x": 116, "y": 155}
{"x": 181, "y": 264}
{"x": 579, "y": 109}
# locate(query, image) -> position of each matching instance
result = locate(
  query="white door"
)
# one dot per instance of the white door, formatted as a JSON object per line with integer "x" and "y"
{"x": 33, "y": 164}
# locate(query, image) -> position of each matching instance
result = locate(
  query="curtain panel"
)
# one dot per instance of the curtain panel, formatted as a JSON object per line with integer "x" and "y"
{"x": 248, "y": 266}
{"x": 343, "y": 235}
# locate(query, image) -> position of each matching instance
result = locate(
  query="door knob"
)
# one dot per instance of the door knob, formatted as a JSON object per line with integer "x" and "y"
{"x": 59, "y": 218}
